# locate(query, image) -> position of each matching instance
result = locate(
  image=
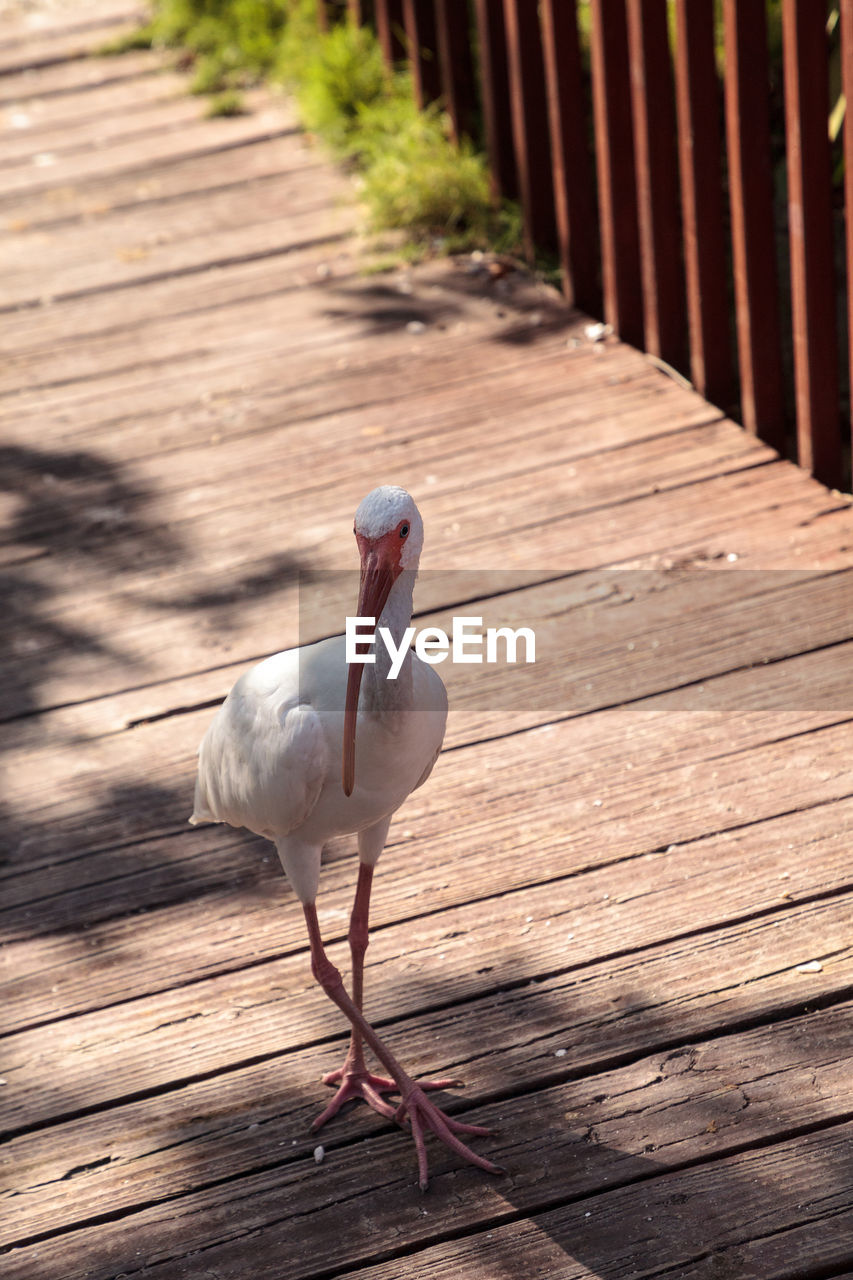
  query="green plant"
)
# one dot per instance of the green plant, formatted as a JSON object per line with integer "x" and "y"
{"x": 228, "y": 103}
{"x": 419, "y": 180}
{"x": 343, "y": 76}
{"x": 139, "y": 38}
{"x": 415, "y": 177}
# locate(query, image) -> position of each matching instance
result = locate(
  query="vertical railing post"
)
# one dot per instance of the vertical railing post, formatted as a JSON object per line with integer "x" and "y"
{"x": 810, "y": 235}
{"x": 847, "y": 85}
{"x": 419, "y": 21}
{"x": 702, "y": 211}
{"x": 494, "y": 85}
{"x": 653, "y": 111}
{"x": 453, "y": 36}
{"x": 389, "y": 29}
{"x": 360, "y": 11}
{"x": 530, "y": 124}
{"x": 753, "y": 230}
{"x": 614, "y": 146}
{"x": 573, "y": 185}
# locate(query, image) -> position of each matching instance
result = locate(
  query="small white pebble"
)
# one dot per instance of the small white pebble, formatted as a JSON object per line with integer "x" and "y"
{"x": 570, "y": 937}
{"x": 786, "y": 875}
{"x": 560, "y": 1053}
{"x": 732, "y": 556}
{"x": 415, "y": 326}
{"x": 2, "y": 1081}
{"x": 597, "y": 804}
{"x": 319, "y": 1153}
{"x": 811, "y": 966}
{"x": 528, "y": 919}
{"x": 587, "y": 1214}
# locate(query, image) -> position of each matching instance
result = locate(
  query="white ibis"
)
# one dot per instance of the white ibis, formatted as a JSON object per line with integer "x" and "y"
{"x": 307, "y": 747}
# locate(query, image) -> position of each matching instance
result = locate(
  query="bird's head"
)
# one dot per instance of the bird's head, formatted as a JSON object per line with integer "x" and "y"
{"x": 390, "y": 533}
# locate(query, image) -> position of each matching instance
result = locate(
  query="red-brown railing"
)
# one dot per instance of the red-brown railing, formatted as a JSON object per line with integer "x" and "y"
{"x": 651, "y": 171}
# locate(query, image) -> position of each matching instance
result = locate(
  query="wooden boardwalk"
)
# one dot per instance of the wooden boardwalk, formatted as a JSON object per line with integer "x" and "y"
{"x": 624, "y": 921}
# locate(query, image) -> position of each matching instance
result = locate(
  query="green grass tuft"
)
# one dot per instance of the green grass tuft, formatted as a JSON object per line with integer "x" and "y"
{"x": 228, "y": 103}
{"x": 415, "y": 178}
{"x": 140, "y": 38}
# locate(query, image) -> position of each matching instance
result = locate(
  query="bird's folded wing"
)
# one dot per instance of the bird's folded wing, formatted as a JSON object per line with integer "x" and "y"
{"x": 262, "y": 764}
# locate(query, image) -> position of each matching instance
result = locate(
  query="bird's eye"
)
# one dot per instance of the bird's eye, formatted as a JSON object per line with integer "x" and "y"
{"x": 404, "y": 531}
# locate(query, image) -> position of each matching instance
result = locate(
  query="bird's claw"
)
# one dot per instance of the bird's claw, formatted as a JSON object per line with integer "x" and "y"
{"x": 423, "y": 1114}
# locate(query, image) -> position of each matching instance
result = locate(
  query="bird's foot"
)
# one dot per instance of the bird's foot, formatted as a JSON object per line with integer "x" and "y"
{"x": 425, "y": 1115}
{"x": 355, "y": 1081}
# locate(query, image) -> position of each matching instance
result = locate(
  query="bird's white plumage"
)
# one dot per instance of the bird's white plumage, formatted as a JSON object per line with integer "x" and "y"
{"x": 382, "y": 510}
{"x": 264, "y": 759}
{"x": 270, "y": 760}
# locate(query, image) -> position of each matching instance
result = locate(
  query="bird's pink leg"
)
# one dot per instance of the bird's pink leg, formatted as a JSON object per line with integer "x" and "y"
{"x": 422, "y": 1114}
{"x": 353, "y": 1078}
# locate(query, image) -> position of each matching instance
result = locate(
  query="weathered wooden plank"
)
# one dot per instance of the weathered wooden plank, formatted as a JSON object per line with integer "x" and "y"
{"x": 709, "y": 1099}
{"x": 342, "y": 382}
{"x": 205, "y": 137}
{"x": 132, "y": 787}
{"x": 90, "y": 929}
{"x": 437, "y": 960}
{"x": 622, "y": 1134}
{"x": 76, "y": 76}
{"x": 55, "y": 25}
{"x": 703, "y": 1221}
{"x": 160, "y": 103}
{"x": 159, "y": 184}
{"x": 151, "y": 488}
{"x": 128, "y": 641}
{"x": 118, "y": 647}
{"x": 117, "y": 251}
{"x": 171, "y": 109}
